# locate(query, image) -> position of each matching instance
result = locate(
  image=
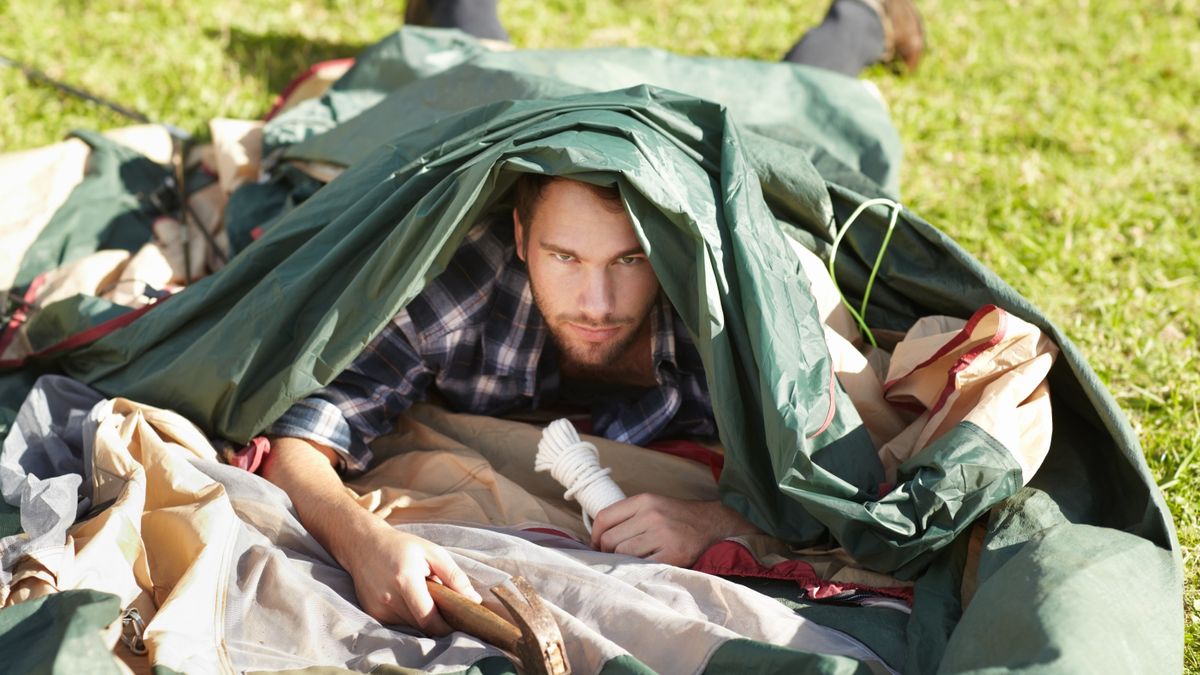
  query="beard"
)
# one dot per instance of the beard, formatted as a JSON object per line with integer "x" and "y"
{"x": 594, "y": 360}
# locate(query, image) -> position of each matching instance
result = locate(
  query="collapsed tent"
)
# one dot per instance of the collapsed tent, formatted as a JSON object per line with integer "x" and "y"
{"x": 426, "y": 135}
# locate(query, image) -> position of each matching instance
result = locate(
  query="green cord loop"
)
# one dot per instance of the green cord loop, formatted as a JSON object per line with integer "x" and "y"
{"x": 887, "y": 238}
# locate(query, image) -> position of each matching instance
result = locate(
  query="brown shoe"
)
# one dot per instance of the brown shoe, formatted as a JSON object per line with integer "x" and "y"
{"x": 903, "y": 32}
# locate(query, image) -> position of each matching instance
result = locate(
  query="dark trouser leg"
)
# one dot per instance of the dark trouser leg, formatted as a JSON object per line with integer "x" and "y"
{"x": 477, "y": 17}
{"x": 848, "y": 40}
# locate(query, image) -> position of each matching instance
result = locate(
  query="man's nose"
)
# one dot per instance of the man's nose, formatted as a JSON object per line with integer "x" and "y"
{"x": 597, "y": 297}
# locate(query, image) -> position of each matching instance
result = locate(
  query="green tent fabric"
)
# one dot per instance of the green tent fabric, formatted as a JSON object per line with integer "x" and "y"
{"x": 714, "y": 191}
{"x": 59, "y": 633}
{"x": 835, "y": 119}
{"x": 109, "y": 209}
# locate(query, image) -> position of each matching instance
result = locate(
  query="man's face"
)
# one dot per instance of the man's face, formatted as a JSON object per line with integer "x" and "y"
{"x": 588, "y": 273}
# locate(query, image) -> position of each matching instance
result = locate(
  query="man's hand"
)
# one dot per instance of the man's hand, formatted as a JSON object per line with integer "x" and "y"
{"x": 665, "y": 530}
{"x": 389, "y": 567}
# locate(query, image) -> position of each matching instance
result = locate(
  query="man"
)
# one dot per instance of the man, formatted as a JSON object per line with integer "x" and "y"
{"x": 565, "y": 311}
{"x": 575, "y": 272}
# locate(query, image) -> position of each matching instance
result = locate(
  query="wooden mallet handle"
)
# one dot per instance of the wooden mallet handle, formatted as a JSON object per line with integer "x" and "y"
{"x": 472, "y": 618}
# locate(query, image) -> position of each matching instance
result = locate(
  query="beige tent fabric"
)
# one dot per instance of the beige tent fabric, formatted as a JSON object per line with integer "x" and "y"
{"x": 227, "y": 581}
{"x": 322, "y": 171}
{"x": 479, "y": 469}
{"x": 35, "y": 183}
{"x": 162, "y": 544}
{"x": 444, "y": 467}
{"x": 111, "y": 274}
{"x": 316, "y": 84}
{"x": 237, "y": 150}
{"x": 151, "y": 140}
{"x": 854, "y": 371}
{"x": 989, "y": 371}
{"x": 114, "y": 275}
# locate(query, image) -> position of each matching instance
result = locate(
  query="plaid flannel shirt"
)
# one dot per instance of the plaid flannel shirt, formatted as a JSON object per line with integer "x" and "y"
{"x": 475, "y": 335}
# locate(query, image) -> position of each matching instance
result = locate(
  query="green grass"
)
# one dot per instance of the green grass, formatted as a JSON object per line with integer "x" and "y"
{"x": 1059, "y": 141}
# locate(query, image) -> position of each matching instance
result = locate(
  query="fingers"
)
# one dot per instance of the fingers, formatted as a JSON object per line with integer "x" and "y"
{"x": 616, "y": 538}
{"x": 446, "y": 570}
{"x": 418, "y": 603}
{"x": 679, "y": 554}
{"x": 612, "y": 516}
{"x": 644, "y": 545}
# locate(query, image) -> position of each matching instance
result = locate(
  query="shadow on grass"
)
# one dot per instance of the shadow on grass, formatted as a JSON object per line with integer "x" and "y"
{"x": 276, "y": 59}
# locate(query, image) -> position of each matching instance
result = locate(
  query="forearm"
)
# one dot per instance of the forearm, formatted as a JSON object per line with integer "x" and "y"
{"x": 305, "y": 472}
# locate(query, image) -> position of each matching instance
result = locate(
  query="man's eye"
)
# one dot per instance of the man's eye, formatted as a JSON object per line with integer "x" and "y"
{"x": 563, "y": 257}
{"x": 629, "y": 260}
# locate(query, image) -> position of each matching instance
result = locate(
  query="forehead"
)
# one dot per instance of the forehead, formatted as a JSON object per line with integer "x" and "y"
{"x": 571, "y": 215}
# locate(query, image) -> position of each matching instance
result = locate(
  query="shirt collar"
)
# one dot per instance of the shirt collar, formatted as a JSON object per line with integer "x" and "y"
{"x": 662, "y": 337}
{"x": 515, "y": 333}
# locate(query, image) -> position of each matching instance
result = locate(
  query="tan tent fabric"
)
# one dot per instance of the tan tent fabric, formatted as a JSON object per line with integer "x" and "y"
{"x": 114, "y": 275}
{"x": 313, "y": 84}
{"x": 216, "y": 563}
{"x": 151, "y": 140}
{"x": 321, "y": 171}
{"x": 854, "y": 371}
{"x": 989, "y": 371}
{"x": 479, "y": 469}
{"x": 161, "y": 545}
{"x": 457, "y": 468}
{"x": 168, "y": 530}
{"x": 237, "y": 149}
{"x": 35, "y": 183}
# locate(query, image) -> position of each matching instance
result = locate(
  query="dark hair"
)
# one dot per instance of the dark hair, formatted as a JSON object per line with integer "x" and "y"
{"x": 529, "y": 193}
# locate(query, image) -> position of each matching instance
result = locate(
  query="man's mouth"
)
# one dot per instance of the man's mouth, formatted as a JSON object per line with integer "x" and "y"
{"x": 595, "y": 333}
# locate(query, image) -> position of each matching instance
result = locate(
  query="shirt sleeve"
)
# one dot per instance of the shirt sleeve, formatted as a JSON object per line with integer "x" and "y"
{"x": 362, "y": 403}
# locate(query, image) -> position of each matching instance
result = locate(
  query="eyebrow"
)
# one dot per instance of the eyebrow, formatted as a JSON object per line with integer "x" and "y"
{"x": 556, "y": 248}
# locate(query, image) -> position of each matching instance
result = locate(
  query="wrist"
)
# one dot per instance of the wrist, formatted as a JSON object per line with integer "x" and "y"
{"x": 351, "y": 539}
{"x": 732, "y": 523}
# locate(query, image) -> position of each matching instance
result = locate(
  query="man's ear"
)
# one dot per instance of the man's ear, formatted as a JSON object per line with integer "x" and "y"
{"x": 519, "y": 235}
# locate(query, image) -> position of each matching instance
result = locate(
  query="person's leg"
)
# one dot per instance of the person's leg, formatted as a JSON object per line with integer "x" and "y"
{"x": 859, "y": 33}
{"x": 476, "y": 17}
{"x": 848, "y": 40}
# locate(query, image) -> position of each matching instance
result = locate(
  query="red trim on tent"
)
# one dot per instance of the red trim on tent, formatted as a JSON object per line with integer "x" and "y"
{"x": 730, "y": 558}
{"x": 962, "y": 336}
{"x": 20, "y": 315}
{"x": 966, "y": 359}
{"x": 282, "y": 98}
{"x": 832, "y": 404}
{"x": 676, "y": 447}
{"x": 692, "y": 450}
{"x": 252, "y": 455}
{"x": 85, "y": 337}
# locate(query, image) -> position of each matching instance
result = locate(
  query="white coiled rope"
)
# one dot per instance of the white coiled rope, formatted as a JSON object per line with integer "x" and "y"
{"x": 576, "y": 464}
